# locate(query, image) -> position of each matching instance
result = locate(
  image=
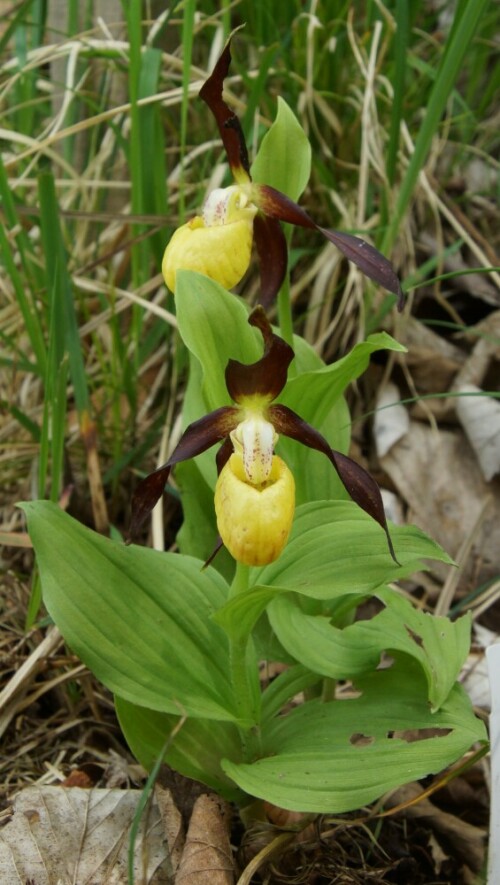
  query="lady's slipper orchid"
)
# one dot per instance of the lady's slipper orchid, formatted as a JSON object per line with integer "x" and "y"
{"x": 254, "y": 496}
{"x": 219, "y": 242}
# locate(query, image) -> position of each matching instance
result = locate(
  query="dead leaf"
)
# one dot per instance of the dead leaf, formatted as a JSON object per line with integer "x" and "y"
{"x": 172, "y": 824}
{"x": 207, "y": 859}
{"x": 69, "y": 836}
{"x": 474, "y": 675}
{"x": 467, "y": 840}
{"x": 437, "y": 474}
{"x": 391, "y": 420}
{"x": 432, "y": 360}
{"x": 479, "y": 415}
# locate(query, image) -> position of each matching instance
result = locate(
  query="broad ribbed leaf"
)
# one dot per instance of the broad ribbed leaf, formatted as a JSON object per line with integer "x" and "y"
{"x": 439, "y": 645}
{"x": 194, "y": 746}
{"x": 239, "y": 615}
{"x": 341, "y": 755}
{"x": 336, "y": 549}
{"x": 140, "y": 620}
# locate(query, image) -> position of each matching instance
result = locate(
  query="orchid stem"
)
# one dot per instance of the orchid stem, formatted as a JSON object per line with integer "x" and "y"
{"x": 241, "y": 674}
{"x": 240, "y": 580}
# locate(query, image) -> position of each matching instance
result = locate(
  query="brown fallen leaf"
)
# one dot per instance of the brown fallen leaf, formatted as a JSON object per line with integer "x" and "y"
{"x": 467, "y": 841}
{"x": 81, "y": 835}
{"x": 172, "y": 823}
{"x": 437, "y": 474}
{"x": 432, "y": 360}
{"x": 207, "y": 859}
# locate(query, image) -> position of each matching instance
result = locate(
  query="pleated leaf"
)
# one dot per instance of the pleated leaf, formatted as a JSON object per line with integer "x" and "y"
{"x": 336, "y": 549}
{"x": 139, "y": 619}
{"x": 194, "y": 747}
{"x": 338, "y": 756}
{"x": 439, "y": 645}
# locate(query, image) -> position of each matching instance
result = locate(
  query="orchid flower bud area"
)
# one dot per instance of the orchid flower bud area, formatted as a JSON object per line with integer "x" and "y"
{"x": 217, "y": 243}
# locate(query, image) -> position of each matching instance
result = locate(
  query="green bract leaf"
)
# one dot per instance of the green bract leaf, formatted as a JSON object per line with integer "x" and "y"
{"x": 284, "y": 157}
{"x": 317, "y": 397}
{"x": 239, "y": 615}
{"x": 214, "y": 327}
{"x": 338, "y": 756}
{"x": 195, "y": 746}
{"x": 335, "y": 549}
{"x": 140, "y": 620}
{"x": 437, "y": 644}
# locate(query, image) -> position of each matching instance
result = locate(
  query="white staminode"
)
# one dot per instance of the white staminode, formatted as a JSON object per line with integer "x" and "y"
{"x": 255, "y": 439}
{"x": 224, "y": 204}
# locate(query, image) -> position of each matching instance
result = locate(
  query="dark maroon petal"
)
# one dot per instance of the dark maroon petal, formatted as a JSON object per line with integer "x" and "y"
{"x": 277, "y": 205}
{"x": 146, "y": 494}
{"x": 218, "y": 545}
{"x": 369, "y": 260}
{"x": 199, "y": 436}
{"x": 266, "y": 377}
{"x": 227, "y": 121}
{"x": 362, "y": 254}
{"x": 361, "y": 486}
{"x": 223, "y": 455}
{"x": 273, "y": 256}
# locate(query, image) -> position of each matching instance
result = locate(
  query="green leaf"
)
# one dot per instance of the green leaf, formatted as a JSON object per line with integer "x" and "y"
{"x": 139, "y": 619}
{"x": 317, "y": 397}
{"x": 284, "y": 157}
{"x": 239, "y": 615}
{"x": 195, "y": 746}
{"x": 214, "y": 327}
{"x": 335, "y": 549}
{"x": 282, "y": 688}
{"x": 338, "y": 756}
{"x": 439, "y": 645}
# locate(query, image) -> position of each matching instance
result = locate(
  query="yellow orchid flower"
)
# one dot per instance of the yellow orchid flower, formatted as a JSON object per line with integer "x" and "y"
{"x": 255, "y": 490}
{"x": 218, "y": 243}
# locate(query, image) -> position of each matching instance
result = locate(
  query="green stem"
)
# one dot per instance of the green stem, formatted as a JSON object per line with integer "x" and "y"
{"x": 240, "y": 675}
{"x": 240, "y": 580}
{"x": 328, "y": 690}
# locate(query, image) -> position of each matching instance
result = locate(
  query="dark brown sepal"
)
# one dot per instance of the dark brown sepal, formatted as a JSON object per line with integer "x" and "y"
{"x": 369, "y": 260}
{"x": 273, "y": 256}
{"x": 199, "y": 436}
{"x": 362, "y": 488}
{"x": 145, "y": 496}
{"x": 277, "y": 205}
{"x": 229, "y": 125}
{"x": 267, "y": 377}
